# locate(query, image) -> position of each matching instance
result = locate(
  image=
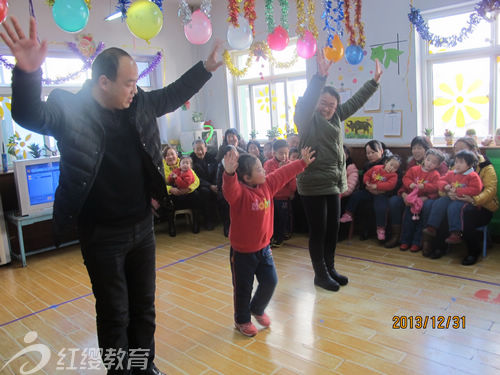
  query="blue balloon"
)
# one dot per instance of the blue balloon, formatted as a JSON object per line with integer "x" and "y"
{"x": 354, "y": 54}
{"x": 70, "y": 15}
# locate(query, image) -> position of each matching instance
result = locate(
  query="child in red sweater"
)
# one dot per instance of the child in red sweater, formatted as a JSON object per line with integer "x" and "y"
{"x": 461, "y": 181}
{"x": 383, "y": 178}
{"x": 249, "y": 194}
{"x": 282, "y": 199}
{"x": 420, "y": 182}
{"x": 183, "y": 176}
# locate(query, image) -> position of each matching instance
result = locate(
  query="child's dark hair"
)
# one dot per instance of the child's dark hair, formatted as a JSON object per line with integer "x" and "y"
{"x": 348, "y": 159}
{"x": 436, "y": 153}
{"x": 468, "y": 156}
{"x": 254, "y": 143}
{"x": 293, "y": 150}
{"x": 279, "y": 143}
{"x": 422, "y": 141}
{"x": 245, "y": 165}
{"x": 393, "y": 157}
{"x": 268, "y": 144}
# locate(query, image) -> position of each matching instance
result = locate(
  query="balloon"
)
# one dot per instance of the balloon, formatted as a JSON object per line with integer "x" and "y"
{"x": 199, "y": 29}
{"x": 4, "y": 7}
{"x": 306, "y": 46}
{"x": 70, "y": 15}
{"x": 240, "y": 37}
{"x": 336, "y": 51}
{"x": 354, "y": 54}
{"x": 278, "y": 39}
{"x": 144, "y": 19}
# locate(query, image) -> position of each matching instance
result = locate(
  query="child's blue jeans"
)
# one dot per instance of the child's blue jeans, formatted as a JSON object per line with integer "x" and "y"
{"x": 445, "y": 206}
{"x": 244, "y": 267}
{"x": 412, "y": 229}
{"x": 380, "y": 205}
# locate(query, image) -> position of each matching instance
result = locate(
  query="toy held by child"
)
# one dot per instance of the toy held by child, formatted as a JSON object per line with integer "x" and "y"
{"x": 250, "y": 193}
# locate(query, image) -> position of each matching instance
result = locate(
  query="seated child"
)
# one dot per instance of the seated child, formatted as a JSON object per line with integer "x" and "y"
{"x": 455, "y": 184}
{"x": 268, "y": 150}
{"x": 282, "y": 199}
{"x": 249, "y": 193}
{"x": 379, "y": 180}
{"x": 293, "y": 154}
{"x": 183, "y": 176}
{"x": 420, "y": 182}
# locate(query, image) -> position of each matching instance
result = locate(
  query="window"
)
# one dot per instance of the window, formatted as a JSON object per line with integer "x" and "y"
{"x": 266, "y": 96}
{"x": 54, "y": 66}
{"x": 460, "y": 84}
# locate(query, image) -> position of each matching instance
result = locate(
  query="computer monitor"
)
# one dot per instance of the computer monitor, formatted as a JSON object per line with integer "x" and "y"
{"x": 36, "y": 184}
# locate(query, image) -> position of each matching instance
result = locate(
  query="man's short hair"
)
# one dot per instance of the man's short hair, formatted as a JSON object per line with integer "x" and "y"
{"x": 106, "y": 63}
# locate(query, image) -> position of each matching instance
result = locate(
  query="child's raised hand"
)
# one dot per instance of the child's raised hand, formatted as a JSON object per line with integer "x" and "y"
{"x": 231, "y": 161}
{"x": 307, "y": 155}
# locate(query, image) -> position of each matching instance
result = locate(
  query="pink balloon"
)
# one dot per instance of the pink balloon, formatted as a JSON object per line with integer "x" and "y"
{"x": 306, "y": 46}
{"x": 278, "y": 39}
{"x": 199, "y": 29}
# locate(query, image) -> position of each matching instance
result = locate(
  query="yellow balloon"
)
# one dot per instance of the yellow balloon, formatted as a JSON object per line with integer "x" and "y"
{"x": 336, "y": 51}
{"x": 144, "y": 19}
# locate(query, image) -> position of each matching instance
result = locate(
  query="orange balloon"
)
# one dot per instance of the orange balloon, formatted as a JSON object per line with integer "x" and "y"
{"x": 336, "y": 51}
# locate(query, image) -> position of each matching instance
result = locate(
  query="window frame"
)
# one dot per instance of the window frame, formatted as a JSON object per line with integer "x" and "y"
{"x": 427, "y": 61}
{"x": 272, "y": 79}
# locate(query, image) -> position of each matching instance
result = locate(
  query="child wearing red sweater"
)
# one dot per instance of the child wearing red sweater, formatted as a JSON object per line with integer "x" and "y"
{"x": 250, "y": 196}
{"x": 383, "y": 178}
{"x": 421, "y": 183}
{"x": 461, "y": 181}
{"x": 282, "y": 199}
{"x": 183, "y": 176}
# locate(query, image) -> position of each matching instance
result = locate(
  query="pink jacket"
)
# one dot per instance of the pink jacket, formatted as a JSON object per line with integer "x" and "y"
{"x": 352, "y": 180}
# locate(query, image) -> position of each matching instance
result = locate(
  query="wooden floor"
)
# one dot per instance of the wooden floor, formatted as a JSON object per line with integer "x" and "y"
{"x": 313, "y": 331}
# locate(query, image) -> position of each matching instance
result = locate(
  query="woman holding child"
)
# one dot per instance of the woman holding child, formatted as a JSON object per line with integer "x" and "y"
{"x": 478, "y": 210}
{"x": 318, "y": 115}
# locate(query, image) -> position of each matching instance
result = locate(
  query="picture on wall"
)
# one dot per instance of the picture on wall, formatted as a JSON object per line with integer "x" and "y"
{"x": 358, "y": 127}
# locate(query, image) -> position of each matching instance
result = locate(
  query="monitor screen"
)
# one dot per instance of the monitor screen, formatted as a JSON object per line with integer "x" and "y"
{"x": 42, "y": 182}
{"x": 36, "y": 184}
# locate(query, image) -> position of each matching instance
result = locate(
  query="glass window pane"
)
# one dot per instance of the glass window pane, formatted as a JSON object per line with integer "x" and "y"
{"x": 257, "y": 69}
{"x": 261, "y": 107}
{"x": 144, "y": 81}
{"x": 57, "y": 67}
{"x": 461, "y": 96}
{"x": 451, "y": 25}
{"x": 6, "y": 73}
{"x": 278, "y": 99}
{"x": 287, "y": 55}
{"x": 295, "y": 89}
{"x": 245, "y": 118}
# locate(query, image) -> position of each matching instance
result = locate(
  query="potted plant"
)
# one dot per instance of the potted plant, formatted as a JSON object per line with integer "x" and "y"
{"x": 471, "y": 133}
{"x": 197, "y": 118}
{"x": 273, "y": 133}
{"x": 427, "y": 134}
{"x": 448, "y": 137}
{"x": 253, "y": 134}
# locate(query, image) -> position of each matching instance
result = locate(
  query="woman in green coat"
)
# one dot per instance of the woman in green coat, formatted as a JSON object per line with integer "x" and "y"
{"x": 318, "y": 116}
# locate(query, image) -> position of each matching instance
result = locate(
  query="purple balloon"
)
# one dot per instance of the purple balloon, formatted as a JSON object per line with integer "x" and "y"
{"x": 199, "y": 29}
{"x": 306, "y": 46}
{"x": 354, "y": 54}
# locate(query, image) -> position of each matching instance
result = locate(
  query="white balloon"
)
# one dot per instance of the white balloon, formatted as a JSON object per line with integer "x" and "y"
{"x": 240, "y": 37}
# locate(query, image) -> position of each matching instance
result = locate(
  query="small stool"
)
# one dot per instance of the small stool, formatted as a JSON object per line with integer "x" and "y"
{"x": 188, "y": 212}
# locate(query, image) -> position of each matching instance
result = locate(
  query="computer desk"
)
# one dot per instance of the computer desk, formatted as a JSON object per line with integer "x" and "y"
{"x": 22, "y": 221}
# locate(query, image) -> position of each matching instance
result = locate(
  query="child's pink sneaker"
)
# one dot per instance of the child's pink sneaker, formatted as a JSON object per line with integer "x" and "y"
{"x": 248, "y": 329}
{"x": 263, "y": 320}
{"x": 381, "y": 233}
{"x": 346, "y": 218}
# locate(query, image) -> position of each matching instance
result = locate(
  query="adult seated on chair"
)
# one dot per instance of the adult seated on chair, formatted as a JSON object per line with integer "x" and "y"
{"x": 480, "y": 209}
{"x": 205, "y": 167}
{"x": 182, "y": 198}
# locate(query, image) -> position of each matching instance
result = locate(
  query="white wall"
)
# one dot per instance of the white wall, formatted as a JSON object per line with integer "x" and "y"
{"x": 383, "y": 20}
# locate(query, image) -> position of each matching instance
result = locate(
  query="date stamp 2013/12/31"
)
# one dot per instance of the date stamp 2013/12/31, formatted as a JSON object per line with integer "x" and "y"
{"x": 428, "y": 321}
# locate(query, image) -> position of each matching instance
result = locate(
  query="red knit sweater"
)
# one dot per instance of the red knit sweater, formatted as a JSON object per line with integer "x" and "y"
{"x": 289, "y": 189}
{"x": 378, "y": 176}
{"x": 417, "y": 176}
{"x": 252, "y": 209}
{"x": 465, "y": 184}
{"x": 183, "y": 179}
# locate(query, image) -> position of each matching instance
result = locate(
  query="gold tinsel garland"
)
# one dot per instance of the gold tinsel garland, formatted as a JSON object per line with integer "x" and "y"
{"x": 301, "y": 18}
{"x": 50, "y": 3}
{"x": 260, "y": 49}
